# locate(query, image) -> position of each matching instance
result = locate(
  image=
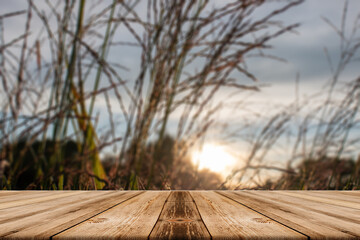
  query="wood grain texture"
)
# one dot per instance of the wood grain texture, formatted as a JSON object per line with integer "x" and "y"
{"x": 44, "y": 224}
{"x": 180, "y": 219}
{"x": 227, "y": 219}
{"x": 327, "y": 197}
{"x": 179, "y": 214}
{"x": 134, "y": 219}
{"x": 297, "y": 215}
{"x": 340, "y": 212}
{"x": 180, "y": 196}
{"x": 13, "y": 192}
{"x": 35, "y": 197}
{"x": 354, "y": 193}
{"x": 32, "y": 210}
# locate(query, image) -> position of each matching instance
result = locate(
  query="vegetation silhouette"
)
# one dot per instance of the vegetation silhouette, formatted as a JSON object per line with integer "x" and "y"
{"x": 319, "y": 174}
{"x": 33, "y": 168}
{"x": 59, "y": 80}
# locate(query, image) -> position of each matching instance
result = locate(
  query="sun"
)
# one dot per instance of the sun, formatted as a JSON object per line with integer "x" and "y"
{"x": 214, "y": 157}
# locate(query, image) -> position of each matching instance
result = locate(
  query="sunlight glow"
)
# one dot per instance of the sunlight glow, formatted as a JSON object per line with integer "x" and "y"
{"x": 213, "y": 157}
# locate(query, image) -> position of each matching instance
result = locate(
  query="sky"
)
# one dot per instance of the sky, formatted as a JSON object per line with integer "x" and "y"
{"x": 303, "y": 52}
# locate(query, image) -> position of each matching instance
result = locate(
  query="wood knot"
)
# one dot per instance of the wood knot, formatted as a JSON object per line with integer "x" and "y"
{"x": 262, "y": 220}
{"x": 98, "y": 220}
{"x": 180, "y": 220}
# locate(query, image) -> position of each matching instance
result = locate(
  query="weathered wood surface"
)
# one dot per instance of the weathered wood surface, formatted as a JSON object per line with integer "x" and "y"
{"x": 316, "y": 219}
{"x": 180, "y": 219}
{"x": 179, "y": 215}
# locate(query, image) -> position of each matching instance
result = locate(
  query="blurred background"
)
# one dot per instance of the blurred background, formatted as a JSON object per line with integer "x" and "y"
{"x": 161, "y": 94}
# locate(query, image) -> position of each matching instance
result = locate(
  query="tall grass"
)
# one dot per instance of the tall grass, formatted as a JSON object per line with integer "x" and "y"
{"x": 188, "y": 52}
{"x": 325, "y": 142}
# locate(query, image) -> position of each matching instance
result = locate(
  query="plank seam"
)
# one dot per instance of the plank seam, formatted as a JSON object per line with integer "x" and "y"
{"x": 51, "y": 237}
{"x": 157, "y": 220}
{"x": 211, "y": 237}
{"x": 308, "y": 237}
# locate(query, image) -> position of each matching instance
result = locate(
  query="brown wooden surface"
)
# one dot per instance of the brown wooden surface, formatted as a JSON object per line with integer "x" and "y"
{"x": 42, "y": 221}
{"x": 238, "y": 221}
{"x": 315, "y": 219}
{"x": 179, "y": 214}
{"x": 180, "y": 219}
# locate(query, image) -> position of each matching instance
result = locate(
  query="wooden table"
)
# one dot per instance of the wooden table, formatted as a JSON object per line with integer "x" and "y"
{"x": 179, "y": 214}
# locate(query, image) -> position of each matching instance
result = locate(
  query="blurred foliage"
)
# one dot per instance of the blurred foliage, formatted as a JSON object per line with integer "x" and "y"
{"x": 55, "y": 72}
{"x": 31, "y": 165}
{"x": 320, "y": 174}
{"x": 63, "y": 143}
{"x": 32, "y": 168}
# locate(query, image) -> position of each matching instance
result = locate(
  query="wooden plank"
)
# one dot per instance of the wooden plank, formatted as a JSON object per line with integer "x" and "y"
{"x": 227, "y": 219}
{"x": 25, "y": 195}
{"x": 33, "y": 209}
{"x": 354, "y": 193}
{"x": 336, "y": 194}
{"x": 226, "y": 214}
{"x": 343, "y": 192}
{"x": 316, "y": 225}
{"x": 6, "y": 193}
{"x": 45, "y": 224}
{"x": 132, "y": 220}
{"x": 326, "y": 197}
{"x": 37, "y": 197}
{"x": 180, "y": 219}
{"x": 180, "y": 196}
{"x": 339, "y": 212}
